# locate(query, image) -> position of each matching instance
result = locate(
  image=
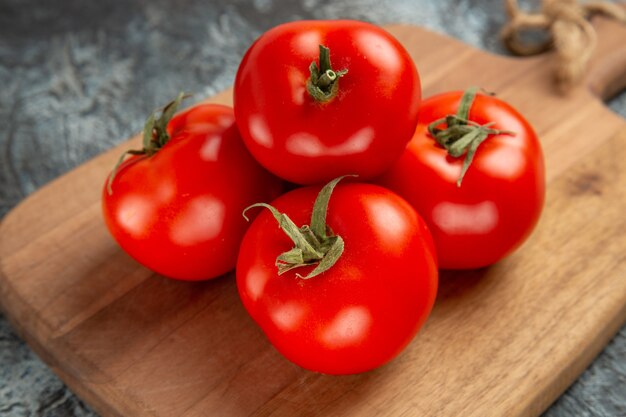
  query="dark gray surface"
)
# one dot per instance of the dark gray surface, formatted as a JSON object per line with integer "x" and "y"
{"x": 78, "y": 77}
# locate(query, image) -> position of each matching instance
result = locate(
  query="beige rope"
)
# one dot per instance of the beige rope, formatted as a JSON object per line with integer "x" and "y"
{"x": 570, "y": 33}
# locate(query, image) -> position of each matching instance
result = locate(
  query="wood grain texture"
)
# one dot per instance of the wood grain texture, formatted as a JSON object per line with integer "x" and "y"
{"x": 506, "y": 340}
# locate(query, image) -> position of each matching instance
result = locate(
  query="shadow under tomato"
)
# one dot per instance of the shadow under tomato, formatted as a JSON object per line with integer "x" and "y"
{"x": 453, "y": 284}
{"x": 465, "y": 288}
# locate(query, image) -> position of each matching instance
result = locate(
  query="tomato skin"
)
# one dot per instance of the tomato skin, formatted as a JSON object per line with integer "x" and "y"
{"x": 501, "y": 196}
{"x": 363, "y": 130}
{"x": 178, "y": 212}
{"x": 367, "y": 307}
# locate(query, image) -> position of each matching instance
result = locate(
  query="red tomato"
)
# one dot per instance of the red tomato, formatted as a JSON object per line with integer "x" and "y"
{"x": 362, "y": 130}
{"x": 363, "y": 310}
{"x": 178, "y": 212}
{"x": 500, "y": 198}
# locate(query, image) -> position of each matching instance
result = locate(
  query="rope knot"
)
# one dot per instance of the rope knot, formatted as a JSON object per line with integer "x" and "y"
{"x": 569, "y": 33}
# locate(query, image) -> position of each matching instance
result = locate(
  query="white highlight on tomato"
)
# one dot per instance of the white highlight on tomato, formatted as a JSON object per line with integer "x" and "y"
{"x": 349, "y": 327}
{"x": 462, "y": 219}
{"x": 225, "y": 121}
{"x": 289, "y": 315}
{"x": 306, "y": 144}
{"x": 199, "y": 221}
{"x": 391, "y": 223}
{"x": 211, "y": 148}
{"x": 255, "y": 282}
{"x": 297, "y": 85}
{"x": 380, "y": 50}
{"x": 505, "y": 162}
{"x": 136, "y": 214}
{"x": 260, "y": 131}
{"x": 307, "y": 43}
{"x": 166, "y": 191}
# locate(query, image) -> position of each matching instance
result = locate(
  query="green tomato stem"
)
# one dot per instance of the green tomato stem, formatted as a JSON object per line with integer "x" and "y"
{"x": 313, "y": 245}
{"x": 461, "y": 136}
{"x": 323, "y": 82}
{"x": 155, "y": 135}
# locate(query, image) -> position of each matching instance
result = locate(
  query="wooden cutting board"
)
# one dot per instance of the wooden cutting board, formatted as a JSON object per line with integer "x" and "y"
{"x": 506, "y": 340}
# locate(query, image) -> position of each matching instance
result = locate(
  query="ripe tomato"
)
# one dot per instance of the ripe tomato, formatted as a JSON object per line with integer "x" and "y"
{"x": 365, "y": 308}
{"x": 178, "y": 212}
{"x": 500, "y": 198}
{"x": 359, "y": 124}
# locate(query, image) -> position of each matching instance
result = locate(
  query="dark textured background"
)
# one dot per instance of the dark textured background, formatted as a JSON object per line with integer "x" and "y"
{"x": 77, "y": 77}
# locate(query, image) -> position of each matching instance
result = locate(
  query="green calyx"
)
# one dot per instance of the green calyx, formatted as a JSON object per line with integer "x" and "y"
{"x": 323, "y": 83}
{"x": 314, "y": 244}
{"x": 462, "y": 136}
{"x": 155, "y": 135}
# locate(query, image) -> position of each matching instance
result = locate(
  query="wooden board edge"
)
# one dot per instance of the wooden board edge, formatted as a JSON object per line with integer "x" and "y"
{"x": 578, "y": 366}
